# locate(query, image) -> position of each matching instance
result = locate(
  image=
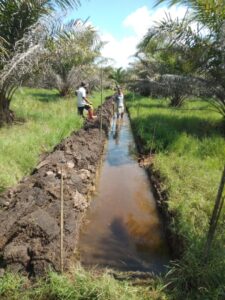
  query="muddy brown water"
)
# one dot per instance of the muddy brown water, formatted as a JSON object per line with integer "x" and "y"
{"x": 123, "y": 229}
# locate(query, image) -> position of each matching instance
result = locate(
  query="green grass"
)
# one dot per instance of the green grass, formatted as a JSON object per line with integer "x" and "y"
{"x": 45, "y": 119}
{"x": 79, "y": 284}
{"x": 190, "y": 154}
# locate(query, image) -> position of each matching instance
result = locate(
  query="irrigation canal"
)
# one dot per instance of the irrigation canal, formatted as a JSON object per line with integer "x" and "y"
{"x": 123, "y": 229}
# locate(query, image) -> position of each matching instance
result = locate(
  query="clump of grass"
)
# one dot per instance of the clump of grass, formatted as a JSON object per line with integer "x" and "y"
{"x": 83, "y": 285}
{"x": 10, "y": 286}
{"x": 190, "y": 148}
{"x": 194, "y": 278}
{"x": 77, "y": 285}
{"x": 47, "y": 119}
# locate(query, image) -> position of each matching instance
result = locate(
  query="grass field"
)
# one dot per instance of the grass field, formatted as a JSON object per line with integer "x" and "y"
{"x": 44, "y": 120}
{"x": 190, "y": 154}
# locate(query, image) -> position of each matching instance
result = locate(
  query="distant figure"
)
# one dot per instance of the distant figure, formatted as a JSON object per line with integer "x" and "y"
{"x": 119, "y": 103}
{"x": 84, "y": 103}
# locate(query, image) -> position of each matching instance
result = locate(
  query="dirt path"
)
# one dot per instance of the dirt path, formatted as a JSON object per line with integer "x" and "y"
{"x": 30, "y": 212}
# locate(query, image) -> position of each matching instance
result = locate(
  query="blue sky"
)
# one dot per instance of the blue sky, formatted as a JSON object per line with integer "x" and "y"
{"x": 122, "y": 23}
{"x": 109, "y": 15}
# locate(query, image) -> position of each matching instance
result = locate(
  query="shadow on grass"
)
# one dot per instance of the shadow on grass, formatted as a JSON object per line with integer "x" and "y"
{"x": 150, "y": 105}
{"x": 165, "y": 105}
{"x": 42, "y": 97}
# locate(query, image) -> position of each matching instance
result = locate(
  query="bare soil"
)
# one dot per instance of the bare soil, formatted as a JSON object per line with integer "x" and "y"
{"x": 30, "y": 211}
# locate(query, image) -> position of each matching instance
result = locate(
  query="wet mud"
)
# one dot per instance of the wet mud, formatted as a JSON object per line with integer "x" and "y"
{"x": 30, "y": 211}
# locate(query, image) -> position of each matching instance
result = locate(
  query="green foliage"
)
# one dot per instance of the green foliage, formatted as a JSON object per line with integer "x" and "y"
{"x": 185, "y": 57}
{"x": 16, "y": 16}
{"x": 190, "y": 149}
{"x": 23, "y": 33}
{"x": 48, "y": 120}
{"x": 172, "y": 56}
{"x": 118, "y": 75}
{"x": 71, "y": 56}
{"x": 194, "y": 277}
{"x": 84, "y": 286}
{"x": 207, "y": 11}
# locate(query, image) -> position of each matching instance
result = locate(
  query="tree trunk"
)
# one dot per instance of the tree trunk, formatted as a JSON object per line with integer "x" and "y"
{"x": 6, "y": 115}
{"x": 65, "y": 91}
{"x": 176, "y": 101}
{"x": 215, "y": 215}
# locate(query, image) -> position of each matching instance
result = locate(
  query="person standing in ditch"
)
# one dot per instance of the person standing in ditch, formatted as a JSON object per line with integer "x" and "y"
{"x": 84, "y": 103}
{"x": 119, "y": 103}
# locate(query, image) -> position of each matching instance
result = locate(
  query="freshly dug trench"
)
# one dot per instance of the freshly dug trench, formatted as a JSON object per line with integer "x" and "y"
{"x": 174, "y": 240}
{"x": 30, "y": 212}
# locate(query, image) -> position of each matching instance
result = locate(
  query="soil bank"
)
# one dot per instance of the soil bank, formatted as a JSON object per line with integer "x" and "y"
{"x": 30, "y": 211}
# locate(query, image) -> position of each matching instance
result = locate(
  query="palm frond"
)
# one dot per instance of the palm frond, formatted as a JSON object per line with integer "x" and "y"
{"x": 209, "y": 12}
{"x": 67, "y": 3}
{"x": 25, "y": 59}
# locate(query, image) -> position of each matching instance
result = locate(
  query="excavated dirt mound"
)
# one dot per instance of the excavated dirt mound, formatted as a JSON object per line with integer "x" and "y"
{"x": 30, "y": 212}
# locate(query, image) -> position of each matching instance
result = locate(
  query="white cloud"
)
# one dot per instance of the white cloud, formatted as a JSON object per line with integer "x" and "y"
{"x": 139, "y": 21}
{"x": 119, "y": 50}
{"x": 143, "y": 18}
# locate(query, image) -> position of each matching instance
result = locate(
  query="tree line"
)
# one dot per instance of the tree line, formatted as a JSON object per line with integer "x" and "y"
{"x": 176, "y": 59}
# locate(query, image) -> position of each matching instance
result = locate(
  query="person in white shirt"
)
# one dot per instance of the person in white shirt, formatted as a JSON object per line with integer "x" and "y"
{"x": 119, "y": 103}
{"x": 84, "y": 103}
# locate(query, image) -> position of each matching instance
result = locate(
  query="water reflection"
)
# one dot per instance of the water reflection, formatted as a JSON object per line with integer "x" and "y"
{"x": 119, "y": 251}
{"x": 120, "y": 144}
{"x": 116, "y": 130}
{"x": 124, "y": 231}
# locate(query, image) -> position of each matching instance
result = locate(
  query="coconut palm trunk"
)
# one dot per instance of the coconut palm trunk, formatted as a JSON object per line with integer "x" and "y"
{"x": 6, "y": 115}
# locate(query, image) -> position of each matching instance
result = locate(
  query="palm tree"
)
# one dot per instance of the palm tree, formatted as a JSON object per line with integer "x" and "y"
{"x": 162, "y": 53}
{"x": 18, "y": 22}
{"x": 201, "y": 53}
{"x": 118, "y": 75}
{"x": 71, "y": 56}
{"x": 210, "y": 13}
{"x": 16, "y": 16}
